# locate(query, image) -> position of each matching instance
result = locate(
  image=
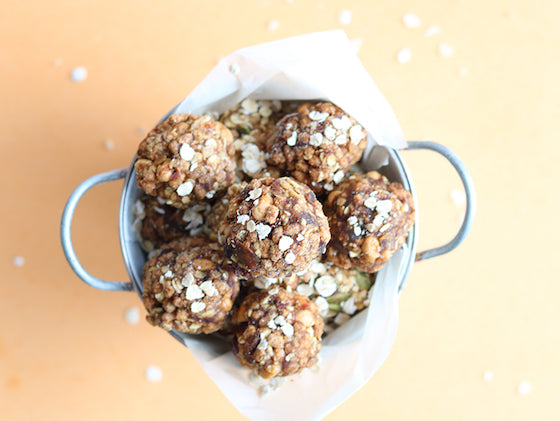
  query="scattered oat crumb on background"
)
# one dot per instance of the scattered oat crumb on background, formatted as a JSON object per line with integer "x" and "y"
{"x": 273, "y": 25}
{"x": 410, "y": 20}
{"x": 57, "y": 62}
{"x": 445, "y": 50}
{"x": 78, "y": 74}
{"x": 458, "y": 197}
{"x": 345, "y": 17}
{"x": 488, "y": 376}
{"x": 18, "y": 261}
{"x": 404, "y": 55}
{"x": 153, "y": 374}
{"x": 356, "y": 44}
{"x": 432, "y": 30}
{"x": 132, "y": 315}
{"x": 524, "y": 388}
{"x": 109, "y": 144}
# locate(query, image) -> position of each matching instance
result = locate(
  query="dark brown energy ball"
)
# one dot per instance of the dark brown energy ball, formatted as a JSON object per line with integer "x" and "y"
{"x": 277, "y": 333}
{"x": 316, "y": 145}
{"x": 189, "y": 286}
{"x": 186, "y": 159}
{"x": 369, "y": 219}
{"x": 274, "y": 227}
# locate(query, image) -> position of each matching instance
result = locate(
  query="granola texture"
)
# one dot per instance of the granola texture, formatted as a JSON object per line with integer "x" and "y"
{"x": 277, "y": 333}
{"x": 316, "y": 145}
{"x": 161, "y": 223}
{"x": 274, "y": 227}
{"x": 189, "y": 286}
{"x": 186, "y": 159}
{"x": 251, "y": 122}
{"x": 369, "y": 218}
{"x": 219, "y": 210}
{"x": 339, "y": 293}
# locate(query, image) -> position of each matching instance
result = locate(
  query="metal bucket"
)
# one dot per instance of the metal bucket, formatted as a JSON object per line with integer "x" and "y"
{"x": 135, "y": 257}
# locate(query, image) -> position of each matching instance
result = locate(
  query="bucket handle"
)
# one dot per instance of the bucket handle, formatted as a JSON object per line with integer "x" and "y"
{"x": 66, "y": 238}
{"x": 468, "y": 185}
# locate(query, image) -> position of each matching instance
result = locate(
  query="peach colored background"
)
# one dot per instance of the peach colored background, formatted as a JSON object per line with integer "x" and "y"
{"x": 66, "y": 352}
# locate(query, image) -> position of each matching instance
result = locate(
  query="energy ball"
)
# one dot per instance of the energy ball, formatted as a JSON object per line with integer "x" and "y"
{"x": 274, "y": 227}
{"x": 277, "y": 333}
{"x": 186, "y": 159}
{"x": 189, "y": 286}
{"x": 161, "y": 223}
{"x": 316, "y": 145}
{"x": 369, "y": 219}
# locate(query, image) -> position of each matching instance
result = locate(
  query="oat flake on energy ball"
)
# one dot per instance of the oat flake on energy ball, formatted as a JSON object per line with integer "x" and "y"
{"x": 293, "y": 69}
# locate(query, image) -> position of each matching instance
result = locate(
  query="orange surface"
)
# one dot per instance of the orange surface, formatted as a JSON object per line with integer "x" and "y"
{"x": 66, "y": 352}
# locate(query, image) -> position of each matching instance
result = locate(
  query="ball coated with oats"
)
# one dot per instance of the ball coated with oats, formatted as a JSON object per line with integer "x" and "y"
{"x": 274, "y": 227}
{"x": 277, "y": 333}
{"x": 186, "y": 159}
{"x": 189, "y": 286}
{"x": 369, "y": 218}
{"x": 316, "y": 145}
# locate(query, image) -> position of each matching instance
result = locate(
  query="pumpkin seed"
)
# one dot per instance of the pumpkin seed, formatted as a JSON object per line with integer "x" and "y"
{"x": 363, "y": 280}
{"x": 339, "y": 297}
{"x": 335, "y": 307}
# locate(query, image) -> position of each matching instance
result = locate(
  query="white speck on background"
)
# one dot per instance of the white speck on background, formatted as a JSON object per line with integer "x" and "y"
{"x": 345, "y": 17}
{"x": 57, "y": 62}
{"x": 273, "y": 25}
{"x": 463, "y": 71}
{"x": 404, "y": 56}
{"x": 410, "y": 20}
{"x": 432, "y": 30}
{"x": 234, "y": 68}
{"x": 18, "y": 261}
{"x": 132, "y": 315}
{"x": 445, "y": 50}
{"x": 488, "y": 376}
{"x": 79, "y": 74}
{"x": 153, "y": 373}
{"x": 356, "y": 44}
{"x": 458, "y": 197}
{"x": 141, "y": 130}
{"x": 524, "y": 388}
{"x": 109, "y": 145}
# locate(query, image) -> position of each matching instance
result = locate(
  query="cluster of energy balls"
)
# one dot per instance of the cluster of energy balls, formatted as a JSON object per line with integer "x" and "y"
{"x": 256, "y": 227}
